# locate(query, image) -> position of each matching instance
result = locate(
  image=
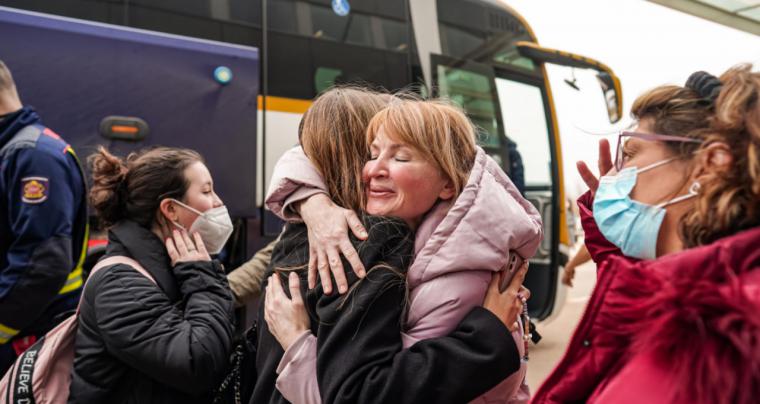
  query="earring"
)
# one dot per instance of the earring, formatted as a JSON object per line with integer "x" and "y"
{"x": 694, "y": 188}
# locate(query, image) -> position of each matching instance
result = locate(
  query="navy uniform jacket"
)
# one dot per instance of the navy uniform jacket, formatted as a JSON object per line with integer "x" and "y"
{"x": 43, "y": 226}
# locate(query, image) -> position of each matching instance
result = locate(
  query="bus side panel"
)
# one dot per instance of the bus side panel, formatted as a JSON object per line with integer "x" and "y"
{"x": 77, "y": 73}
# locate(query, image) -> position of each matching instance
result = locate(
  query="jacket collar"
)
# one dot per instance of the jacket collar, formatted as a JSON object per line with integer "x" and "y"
{"x": 130, "y": 239}
{"x": 16, "y": 121}
{"x": 475, "y": 232}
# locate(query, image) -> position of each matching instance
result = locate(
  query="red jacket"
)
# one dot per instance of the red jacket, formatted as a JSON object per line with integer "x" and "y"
{"x": 683, "y": 328}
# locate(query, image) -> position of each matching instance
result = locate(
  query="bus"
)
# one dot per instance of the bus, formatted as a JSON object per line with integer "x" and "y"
{"x": 480, "y": 53}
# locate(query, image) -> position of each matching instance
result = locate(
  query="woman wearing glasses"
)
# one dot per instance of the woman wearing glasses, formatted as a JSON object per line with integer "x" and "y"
{"x": 674, "y": 227}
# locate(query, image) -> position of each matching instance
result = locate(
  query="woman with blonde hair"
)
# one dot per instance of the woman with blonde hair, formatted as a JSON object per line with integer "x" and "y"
{"x": 425, "y": 169}
{"x": 675, "y": 315}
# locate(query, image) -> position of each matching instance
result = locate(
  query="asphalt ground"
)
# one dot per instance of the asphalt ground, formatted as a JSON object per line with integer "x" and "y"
{"x": 556, "y": 334}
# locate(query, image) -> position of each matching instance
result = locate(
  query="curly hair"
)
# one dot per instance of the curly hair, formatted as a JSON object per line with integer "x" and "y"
{"x": 728, "y": 201}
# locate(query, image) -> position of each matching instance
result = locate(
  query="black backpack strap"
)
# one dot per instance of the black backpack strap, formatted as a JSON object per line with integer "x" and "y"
{"x": 22, "y": 380}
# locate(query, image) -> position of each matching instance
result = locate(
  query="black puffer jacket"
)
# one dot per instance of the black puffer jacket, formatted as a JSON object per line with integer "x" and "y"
{"x": 140, "y": 342}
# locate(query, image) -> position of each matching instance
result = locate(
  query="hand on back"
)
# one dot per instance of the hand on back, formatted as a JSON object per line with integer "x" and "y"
{"x": 328, "y": 226}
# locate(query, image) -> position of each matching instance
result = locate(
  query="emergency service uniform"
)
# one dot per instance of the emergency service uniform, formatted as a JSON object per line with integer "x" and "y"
{"x": 43, "y": 231}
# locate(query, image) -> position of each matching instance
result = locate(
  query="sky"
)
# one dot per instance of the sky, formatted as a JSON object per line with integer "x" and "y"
{"x": 645, "y": 44}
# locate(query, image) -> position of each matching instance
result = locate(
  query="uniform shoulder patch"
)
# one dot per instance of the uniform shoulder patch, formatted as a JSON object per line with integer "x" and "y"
{"x": 34, "y": 189}
{"x": 49, "y": 132}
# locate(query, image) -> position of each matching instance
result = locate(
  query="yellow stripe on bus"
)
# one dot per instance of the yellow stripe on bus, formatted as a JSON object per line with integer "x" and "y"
{"x": 282, "y": 104}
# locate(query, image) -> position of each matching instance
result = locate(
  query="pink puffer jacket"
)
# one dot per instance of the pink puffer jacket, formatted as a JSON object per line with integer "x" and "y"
{"x": 458, "y": 247}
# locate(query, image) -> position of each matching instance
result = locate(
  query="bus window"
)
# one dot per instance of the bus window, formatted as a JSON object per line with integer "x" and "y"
{"x": 359, "y": 32}
{"x": 326, "y": 24}
{"x": 474, "y": 92}
{"x": 325, "y": 77}
{"x": 522, "y": 107}
{"x": 394, "y": 34}
{"x": 283, "y": 16}
{"x": 455, "y": 41}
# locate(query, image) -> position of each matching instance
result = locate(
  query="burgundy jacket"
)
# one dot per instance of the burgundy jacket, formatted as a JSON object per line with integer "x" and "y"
{"x": 683, "y": 328}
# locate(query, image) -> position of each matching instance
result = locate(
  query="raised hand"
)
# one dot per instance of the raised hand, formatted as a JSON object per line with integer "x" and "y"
{"x": 604, "y": 164}
{"x": 182, "y": 248}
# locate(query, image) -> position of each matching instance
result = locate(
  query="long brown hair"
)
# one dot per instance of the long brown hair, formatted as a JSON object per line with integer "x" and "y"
{"x": 730, "y": 201}
{"x": 332, "y": 136}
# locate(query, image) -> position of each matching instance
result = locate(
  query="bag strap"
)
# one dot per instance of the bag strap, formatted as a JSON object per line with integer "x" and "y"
{"x": 120, "y": 259}
{"x": 114, "y": 260}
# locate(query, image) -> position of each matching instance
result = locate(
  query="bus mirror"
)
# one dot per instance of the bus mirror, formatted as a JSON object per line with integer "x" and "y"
{"x": 613, "y": 94}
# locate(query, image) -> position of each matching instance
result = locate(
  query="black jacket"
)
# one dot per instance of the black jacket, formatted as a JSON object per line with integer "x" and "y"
{"x": 139, "y": 342}
{"x": 360, "y": 357}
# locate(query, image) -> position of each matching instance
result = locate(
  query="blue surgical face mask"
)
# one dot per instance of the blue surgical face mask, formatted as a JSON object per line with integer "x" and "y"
{"x": 632, "y": 226}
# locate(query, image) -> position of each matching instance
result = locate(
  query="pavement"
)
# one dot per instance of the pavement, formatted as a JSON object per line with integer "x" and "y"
{"x": 556, "y": 334}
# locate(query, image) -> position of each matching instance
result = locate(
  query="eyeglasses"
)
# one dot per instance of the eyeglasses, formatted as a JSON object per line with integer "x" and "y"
{"x": 623, "y": 137}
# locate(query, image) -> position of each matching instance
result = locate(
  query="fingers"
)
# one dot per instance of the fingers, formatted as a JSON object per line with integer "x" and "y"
{"x": 355, "y": 225}
{"x": 524, "y": 292}
{"x": 568, "y": 275}
{"x": 517, "y": 281}
{"x": 171, "y": 250}
{"x": 276, "y": 283}
{"x": 312, "y": 275}
{"x": 294, "y": 284}
{"x": 188, "y": 241}
{"x": 324, "y": 272}
{"x": 336, "y": 267}
{"x": 605, "y": 157}
{"x": 348, "y": 251}
{"x": 199, "y": 244}
{"x": 588, "y": 176}
{"x": 179, "y": 241}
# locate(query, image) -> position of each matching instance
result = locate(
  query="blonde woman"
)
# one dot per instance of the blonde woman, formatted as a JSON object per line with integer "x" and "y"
{"x": 425, "y": 169}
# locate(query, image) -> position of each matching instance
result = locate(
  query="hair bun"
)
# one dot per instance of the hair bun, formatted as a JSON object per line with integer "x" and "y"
{"x": 705, "y": 84}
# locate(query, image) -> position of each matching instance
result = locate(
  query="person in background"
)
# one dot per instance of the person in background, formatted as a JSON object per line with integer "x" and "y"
{"x": 245, "y": 280}
{"x": 581, "y": 257}
{"x": 43, "y": 225}
{"x": 516, "y": 167}
{"x": 165, "y": 340}
{"x": 674, "y": 228}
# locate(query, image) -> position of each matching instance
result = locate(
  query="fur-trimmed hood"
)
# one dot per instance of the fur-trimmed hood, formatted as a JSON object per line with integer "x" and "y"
{"x": 684, "y": 328}
{"x": 697, "y": 314}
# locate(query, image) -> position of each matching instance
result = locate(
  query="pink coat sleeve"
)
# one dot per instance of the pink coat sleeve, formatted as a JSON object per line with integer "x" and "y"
{"x": 297, "y": 372}
{"x": 433, "y": 312}
{"x": 294, "y": 179}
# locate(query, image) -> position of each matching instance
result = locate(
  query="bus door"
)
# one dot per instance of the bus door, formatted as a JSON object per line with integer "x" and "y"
{"x": 512, "y": 109}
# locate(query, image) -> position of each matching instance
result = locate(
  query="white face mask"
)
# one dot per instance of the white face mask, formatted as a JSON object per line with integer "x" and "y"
{"x": 214, "y": 226}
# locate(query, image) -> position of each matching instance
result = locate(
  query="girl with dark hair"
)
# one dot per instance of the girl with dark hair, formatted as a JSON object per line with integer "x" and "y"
{"x": 166, "y": 339}
{"x": 674, "y": 227}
